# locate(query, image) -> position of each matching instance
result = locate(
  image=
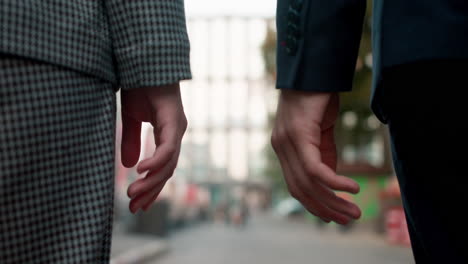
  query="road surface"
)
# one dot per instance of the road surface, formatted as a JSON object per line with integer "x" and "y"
{"x": 267, "y": 240}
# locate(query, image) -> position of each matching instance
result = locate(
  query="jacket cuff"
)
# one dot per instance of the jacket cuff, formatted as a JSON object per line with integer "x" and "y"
{"x": 153, "y": 64}
{"x": 318, "y": 44}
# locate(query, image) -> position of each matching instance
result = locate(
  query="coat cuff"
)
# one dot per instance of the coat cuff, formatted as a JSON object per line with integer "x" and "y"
{"x": 318, "y": 43}
{"x": 153, "y": 64}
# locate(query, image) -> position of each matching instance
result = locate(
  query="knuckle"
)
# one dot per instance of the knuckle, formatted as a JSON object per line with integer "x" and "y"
{"x": 171, "y": 150}
{"x": 274, "y": 141}
{"x": 295, "y": 129}
{"x": 281, "y": 136}
{"x": 184, "y": 124}
{"x": 310, "y": 169}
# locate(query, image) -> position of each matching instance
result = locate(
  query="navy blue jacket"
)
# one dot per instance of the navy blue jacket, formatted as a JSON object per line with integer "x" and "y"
{"x": 318, "y": 40}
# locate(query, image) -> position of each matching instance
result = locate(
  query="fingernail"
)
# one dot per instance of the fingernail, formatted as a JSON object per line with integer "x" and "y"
{"x": 357, "y": 188}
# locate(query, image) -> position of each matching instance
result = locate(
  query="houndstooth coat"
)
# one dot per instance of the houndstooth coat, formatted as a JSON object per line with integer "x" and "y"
{"x": 61, "y": 62}
{"x": 129, "y": 43}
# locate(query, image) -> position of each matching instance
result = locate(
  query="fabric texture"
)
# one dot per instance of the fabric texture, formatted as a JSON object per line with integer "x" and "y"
{"x": 129, "y": 43}
{"x": 150, "y": 42}
{"x": 57, "y": 144}
{"x": 318, "y": 40}
{"x": 428, "y": 138}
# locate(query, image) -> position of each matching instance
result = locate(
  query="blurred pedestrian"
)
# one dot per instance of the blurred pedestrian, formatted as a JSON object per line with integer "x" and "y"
{"x": 420, "y": 59}
{"x": 239, "y": 213}
{"x": 61, "y": 63}
{"x": 245, "y": 212}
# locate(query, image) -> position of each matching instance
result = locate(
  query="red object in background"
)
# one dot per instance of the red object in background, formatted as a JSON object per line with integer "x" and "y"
{"x": 191, "y": 197}
{"x": 396, "y": 227}
{"x": 394, "y": 215}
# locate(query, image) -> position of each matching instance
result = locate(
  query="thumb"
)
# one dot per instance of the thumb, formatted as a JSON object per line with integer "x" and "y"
{"x": 131, "y": 142}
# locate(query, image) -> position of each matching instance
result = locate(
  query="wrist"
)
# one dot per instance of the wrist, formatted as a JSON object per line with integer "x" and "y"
{"x": 300, "y": 96}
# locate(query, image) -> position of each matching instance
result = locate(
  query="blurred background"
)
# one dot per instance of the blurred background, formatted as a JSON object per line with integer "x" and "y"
{"x": 227, "y": 202}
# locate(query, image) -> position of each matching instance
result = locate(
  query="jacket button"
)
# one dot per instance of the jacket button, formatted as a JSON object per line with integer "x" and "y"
{"x": 293, "y": 30}
{"x": 291, "y": 45}
{"x": 293, "y": 17}
{"x": 297, "y": 4}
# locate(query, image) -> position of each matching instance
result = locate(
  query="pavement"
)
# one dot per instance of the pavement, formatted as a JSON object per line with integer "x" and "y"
{"x": 269, "y": 240}
{"x": 265, "y": 240}
{"x": 131, "y": 248}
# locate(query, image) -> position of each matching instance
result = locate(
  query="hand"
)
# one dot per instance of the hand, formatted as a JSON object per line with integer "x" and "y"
{"x": 304, "y": 142}
{"x": 162, "y": 107}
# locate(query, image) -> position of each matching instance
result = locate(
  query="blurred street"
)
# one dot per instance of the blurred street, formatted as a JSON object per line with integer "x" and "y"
{"x": 228, "y": 170}
{"x": 270, "y": 240}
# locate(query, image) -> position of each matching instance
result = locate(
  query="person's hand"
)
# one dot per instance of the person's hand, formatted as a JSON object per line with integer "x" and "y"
{"x": 162, "y": 107}
{"x": 303, "y": 140}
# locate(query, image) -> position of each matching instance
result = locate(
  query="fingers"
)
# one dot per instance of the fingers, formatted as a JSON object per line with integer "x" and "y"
{"x": 308, "y": 188}
{"x": 311, "y": 204}
{"x": 153, "y": 196}
{"x": 148, "y": 203}
{"x": 162, "y": 107}
{"x": 329, "y": 178}
{"x": 160, "y": 167}
{"x": 310, "y": 157}
{"x": 332, "y": 201}
{"x": 130, "y": 147}
{"x": 320, "y": 210}
{"x": 314, "y": 195}
{"x": 322, "y": 193}
{"x": 145, "y": 200}
{"x": 167, "y": 142}
{"x": 153, "y": 178}
{"x": 144, "y": 191}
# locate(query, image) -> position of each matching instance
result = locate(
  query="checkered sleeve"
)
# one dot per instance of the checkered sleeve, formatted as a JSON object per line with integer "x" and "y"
{"x": 150, "y": 42}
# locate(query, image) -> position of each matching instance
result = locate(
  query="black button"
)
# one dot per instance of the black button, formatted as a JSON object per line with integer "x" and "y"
{"x": 291, "y": 50}
{"x": 293, "y": 30}
{"x": 291, "y": 40}
{"x": 291, "y": 44}
{"x": 293, "y": 18}
{"x": 297, "y": 4}
{"x": 293, "y": 12}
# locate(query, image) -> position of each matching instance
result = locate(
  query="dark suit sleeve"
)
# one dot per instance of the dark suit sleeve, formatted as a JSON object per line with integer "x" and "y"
{"x": 318, "y": 43}
{"x": 150, "y": 41}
